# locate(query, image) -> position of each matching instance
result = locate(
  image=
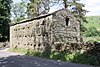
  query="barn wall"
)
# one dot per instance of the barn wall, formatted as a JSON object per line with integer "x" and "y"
{"x": 34, "y": 34}
{"x": 46, "y": 32}
{"x": 65, "y": 27}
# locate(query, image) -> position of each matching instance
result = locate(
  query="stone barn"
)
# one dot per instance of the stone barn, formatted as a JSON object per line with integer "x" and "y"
{"x": 44, "y": 32}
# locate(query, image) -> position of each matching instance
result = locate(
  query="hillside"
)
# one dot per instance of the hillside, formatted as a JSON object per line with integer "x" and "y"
{"x": 93, "y": 21}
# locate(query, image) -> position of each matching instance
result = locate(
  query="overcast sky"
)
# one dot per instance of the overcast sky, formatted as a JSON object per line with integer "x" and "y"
{"x": 91, "y": 5}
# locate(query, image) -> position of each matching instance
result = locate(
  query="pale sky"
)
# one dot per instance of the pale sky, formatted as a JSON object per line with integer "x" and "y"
{"x": 91, "y": 5}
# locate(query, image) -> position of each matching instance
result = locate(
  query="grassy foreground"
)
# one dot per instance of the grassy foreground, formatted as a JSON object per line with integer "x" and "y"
{"x": 76, "y": 57}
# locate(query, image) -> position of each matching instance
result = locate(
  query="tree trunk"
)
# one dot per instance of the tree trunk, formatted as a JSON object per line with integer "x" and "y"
{"x": 65, "y": 4}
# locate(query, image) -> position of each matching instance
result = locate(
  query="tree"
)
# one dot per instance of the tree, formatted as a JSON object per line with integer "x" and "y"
{"x": 65, "y": 2}
{"x": 18, "y": 11}
{"x": 79, "y": 12}
{"x": 33, "y": 8}
{"x": 4, "y": 19}
{"x": 38, "y": 7}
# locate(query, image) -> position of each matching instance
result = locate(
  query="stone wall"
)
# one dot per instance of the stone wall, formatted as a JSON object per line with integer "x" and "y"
{"x": 4, "y": 44}
{"x": 45, "y": 32}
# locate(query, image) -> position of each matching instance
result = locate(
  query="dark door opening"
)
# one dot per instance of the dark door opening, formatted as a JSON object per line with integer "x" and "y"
{"x": 67, "y": 21}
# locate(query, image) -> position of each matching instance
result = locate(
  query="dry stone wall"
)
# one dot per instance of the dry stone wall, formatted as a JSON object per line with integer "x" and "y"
{"x": 44, "y": 33}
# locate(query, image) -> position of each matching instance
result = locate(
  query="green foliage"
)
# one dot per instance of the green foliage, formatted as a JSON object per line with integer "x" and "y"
{"x": 83, "y": 28}
{"x": 78, "y": 10}
{"x": 18, "y": 11}
{"x": 93, "y": 21}
{"x": 96, "y": 38}
{"x": 80, "y": 58}
{"x": 57, "y": 55}
{"x": 4, "y": 19}
{"x": 87, "y": 59}
{"x": 92, "y": 31}
{"x": 69, "y": 57}
{"x": 32, "y": 53}
{"x": 92, "y": 26}
{"x": 45, "y": 54}
{"x": 33, "y": 8}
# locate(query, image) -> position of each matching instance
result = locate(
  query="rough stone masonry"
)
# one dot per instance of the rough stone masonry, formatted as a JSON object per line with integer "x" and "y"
{"x": 43, "y": 33}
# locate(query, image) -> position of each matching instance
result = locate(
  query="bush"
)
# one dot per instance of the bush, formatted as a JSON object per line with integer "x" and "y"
{"x": 92, "y": 31}
{"x": 80, "y": 58}
{"x": 69, "y": 57}
{"x": 33, "y": 53}
{"x": 56, "y": 55}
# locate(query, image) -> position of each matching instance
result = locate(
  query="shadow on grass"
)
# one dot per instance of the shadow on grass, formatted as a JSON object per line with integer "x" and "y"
{"x": 28, "y": 61}
{"x": 80, "y": 58}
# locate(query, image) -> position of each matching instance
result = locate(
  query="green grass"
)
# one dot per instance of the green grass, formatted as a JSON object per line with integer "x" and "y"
{"x": 91, "y": 39}
{"x": 93, "y": 21}
{"x": 19, "y": 50}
